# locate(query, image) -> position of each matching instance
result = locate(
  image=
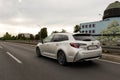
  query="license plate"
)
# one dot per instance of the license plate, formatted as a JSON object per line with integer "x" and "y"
{"x": 92, "y": 47}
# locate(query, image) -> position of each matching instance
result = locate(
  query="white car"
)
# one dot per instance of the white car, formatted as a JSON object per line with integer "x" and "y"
{"x": 68, "y": 47}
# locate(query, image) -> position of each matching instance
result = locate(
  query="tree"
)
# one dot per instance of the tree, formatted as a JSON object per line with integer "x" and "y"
{"x": 37, "y": 37}
{"x": 113, "y": 24}
{"x": 55, "y": 32}
{"x": 63, "y": 31}
{"x": 31, "y": 37}
{"x": 113, "y": 28}
{"x": 43, "y": 33}
{"x": 7, "y": 36}
{"x": 76, "y": 28}
{"x": 13, "y": 38}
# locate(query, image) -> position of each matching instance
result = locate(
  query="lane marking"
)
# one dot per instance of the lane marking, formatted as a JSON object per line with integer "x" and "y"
{"x": 14, "y": 57}
{"x": 109, "y": 61}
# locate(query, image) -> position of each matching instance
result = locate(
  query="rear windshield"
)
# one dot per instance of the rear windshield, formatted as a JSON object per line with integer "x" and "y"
{"x": 83, "y": 37}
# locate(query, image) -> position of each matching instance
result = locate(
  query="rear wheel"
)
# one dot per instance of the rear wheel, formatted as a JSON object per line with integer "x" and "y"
{"x": 38, "y": 52}
{"x": 61, "y": 58}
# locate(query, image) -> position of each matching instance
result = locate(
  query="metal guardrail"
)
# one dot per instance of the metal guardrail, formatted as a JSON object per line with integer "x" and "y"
{"x": 105, "y": 34}
{"x": 111, "y": 47}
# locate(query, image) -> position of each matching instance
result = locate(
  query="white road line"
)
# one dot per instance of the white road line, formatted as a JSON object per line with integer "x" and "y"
{"x": 109, "y": 61}
{"x": 14, "y": 57}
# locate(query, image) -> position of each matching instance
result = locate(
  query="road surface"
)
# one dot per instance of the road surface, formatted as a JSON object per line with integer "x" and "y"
{"x": 19, "y": 62}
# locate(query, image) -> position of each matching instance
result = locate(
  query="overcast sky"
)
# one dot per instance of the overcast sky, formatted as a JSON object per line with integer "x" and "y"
{"x": 27, "y": 16}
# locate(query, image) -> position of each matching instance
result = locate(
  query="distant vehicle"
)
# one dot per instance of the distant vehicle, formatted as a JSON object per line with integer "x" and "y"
{"x": 68, "y": 47}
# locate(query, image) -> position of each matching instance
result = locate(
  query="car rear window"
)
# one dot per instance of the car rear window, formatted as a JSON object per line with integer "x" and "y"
{"x": 58, "y": 38}
{"x": 83, "y": 37}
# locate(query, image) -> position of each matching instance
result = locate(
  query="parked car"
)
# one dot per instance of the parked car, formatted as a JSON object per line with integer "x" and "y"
{"x": 68, "y": 47}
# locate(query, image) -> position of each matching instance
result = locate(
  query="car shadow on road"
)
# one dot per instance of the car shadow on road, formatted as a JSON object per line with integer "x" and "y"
{"x": 47, "y": 60}
{"x": 81, "y": 64}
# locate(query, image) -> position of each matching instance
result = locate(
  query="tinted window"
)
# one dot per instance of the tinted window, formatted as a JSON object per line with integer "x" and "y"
{"x": 58, "y": 38}
{"x": 83, "y": 37}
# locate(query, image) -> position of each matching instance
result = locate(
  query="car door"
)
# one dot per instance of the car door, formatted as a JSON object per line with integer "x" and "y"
{"x": 55, "y": 43}
{"x": 45, "y": 44}
{"x": 52, "y": 47}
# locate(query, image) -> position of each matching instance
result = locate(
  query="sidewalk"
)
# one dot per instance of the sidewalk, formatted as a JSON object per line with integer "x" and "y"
{"x": 114, "y": 58}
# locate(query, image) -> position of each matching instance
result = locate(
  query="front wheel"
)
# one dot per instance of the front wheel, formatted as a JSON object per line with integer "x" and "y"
{"x": 61, "y": 58}
{"x": 38, "y": 52}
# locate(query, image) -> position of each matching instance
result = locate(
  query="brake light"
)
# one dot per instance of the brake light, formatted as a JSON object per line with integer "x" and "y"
{"x": 75, "y": 45}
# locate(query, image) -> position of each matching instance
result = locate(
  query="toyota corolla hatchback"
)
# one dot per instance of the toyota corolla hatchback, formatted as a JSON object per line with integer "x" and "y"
{"x": 68, "y": 47}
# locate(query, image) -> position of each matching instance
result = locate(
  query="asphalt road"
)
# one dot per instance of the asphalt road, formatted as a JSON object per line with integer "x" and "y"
{"x": 19, "y": 62}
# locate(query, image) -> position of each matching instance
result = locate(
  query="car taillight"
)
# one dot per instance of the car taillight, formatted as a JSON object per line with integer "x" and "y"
{"x": 78, "y": 45}
{"x": 75, "y": 45}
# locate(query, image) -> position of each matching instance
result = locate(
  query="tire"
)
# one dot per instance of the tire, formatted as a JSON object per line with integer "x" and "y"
{"x": 38, "y": 52}
{"x": 61, "y": 58}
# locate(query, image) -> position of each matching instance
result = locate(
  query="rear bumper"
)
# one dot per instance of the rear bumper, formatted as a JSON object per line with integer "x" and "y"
{"x": 87, "y": 55}
{"x": 90, "y": 58}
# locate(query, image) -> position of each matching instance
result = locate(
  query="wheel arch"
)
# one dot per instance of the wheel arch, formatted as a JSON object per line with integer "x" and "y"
{"x": 63, "y": 52}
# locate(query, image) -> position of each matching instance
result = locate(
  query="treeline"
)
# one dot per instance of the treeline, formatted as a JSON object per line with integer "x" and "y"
{"x": 43, "y": 33}
{"x": 40, "y": 35}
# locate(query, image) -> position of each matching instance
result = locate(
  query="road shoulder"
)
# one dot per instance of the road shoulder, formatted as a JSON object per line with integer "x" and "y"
{"x": 111, "y": 57}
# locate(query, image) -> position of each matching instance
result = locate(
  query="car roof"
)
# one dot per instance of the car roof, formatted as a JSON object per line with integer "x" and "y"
{"x": 82, "y": 34}
{"x": 71, "y": 35}
{"x": 63, "y": 33}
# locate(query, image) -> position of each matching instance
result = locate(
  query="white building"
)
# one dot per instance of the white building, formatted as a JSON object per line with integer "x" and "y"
{"x": 112, "y": 13}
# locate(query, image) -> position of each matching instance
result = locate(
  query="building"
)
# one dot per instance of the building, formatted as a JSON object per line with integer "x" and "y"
{"x": 26, "y": 35}
{"x": 112, "y": 13}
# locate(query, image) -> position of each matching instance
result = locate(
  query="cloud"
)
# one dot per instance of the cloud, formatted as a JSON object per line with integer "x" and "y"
{"x": 50, "y": 12}
{"x": 45, "y": 11}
